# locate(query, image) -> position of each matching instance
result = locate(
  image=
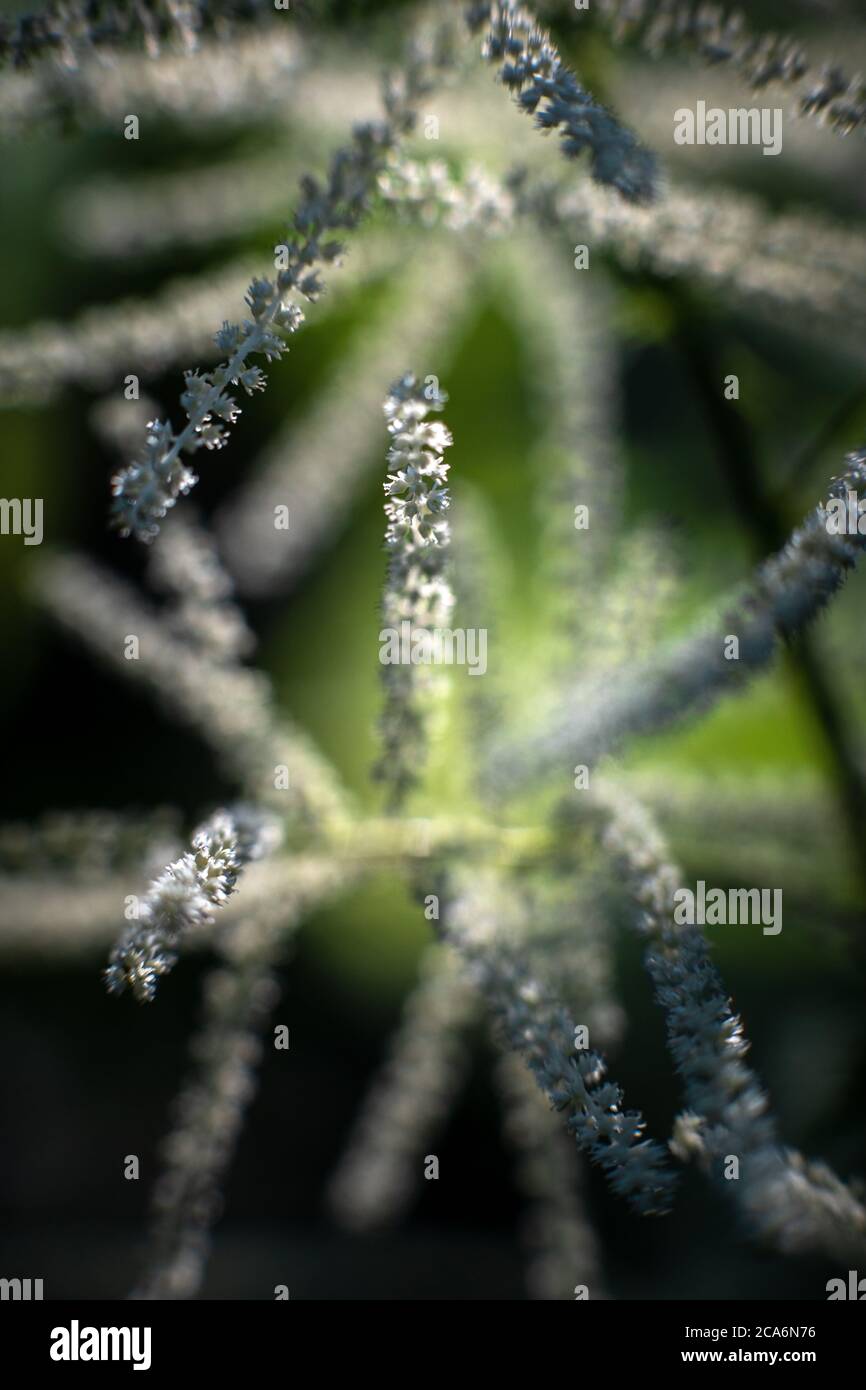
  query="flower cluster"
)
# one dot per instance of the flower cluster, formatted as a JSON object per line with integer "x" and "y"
{"x": 145, "y": 490}
{"x": 417, "y": 488}
{"x": 545, "y": 88}
{"x": 417, "y": 591}
{"x": 185, "y": 896}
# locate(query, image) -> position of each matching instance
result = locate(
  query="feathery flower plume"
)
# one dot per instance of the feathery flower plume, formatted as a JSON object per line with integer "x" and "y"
{"x": 230, "y": 705}
{"x": 417, "y": 591}
{"x": 37, "y": 362}
{"x": 316, "y": 466}
{"x": 185, "y": 896}
{"x": 758, "y": 256}
{"x": 64, "y": 29}
{"x": 720, "y": 37}
{"x": 86, "y": 844}
{"x": 210, "y": 1111}
{"x": 243, "y": 79}
{"x": 786, "y": 593}
{"x": 789, "y": 827}
{"x": 116, "y": 217}
{"x": 546, "y": 89}
{"x": 204, "y": 613}
{"x": 561, "y": 1241}
{"x": 225, "y": 1053}
{"x": 146, "y": 490}
{"x": 534, "y": 1023}
{"x": 785, "y": 1199}
{"x": 409, "y": 1097}
{"x": 563, "y": 326}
